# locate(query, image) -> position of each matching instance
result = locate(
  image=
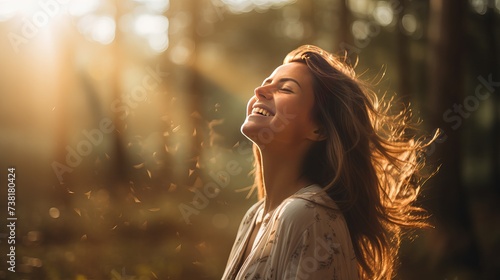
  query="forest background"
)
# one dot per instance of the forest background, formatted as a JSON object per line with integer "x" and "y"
{"x": 120, "y": 121}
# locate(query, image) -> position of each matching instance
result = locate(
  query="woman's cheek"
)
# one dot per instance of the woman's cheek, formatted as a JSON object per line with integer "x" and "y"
{"x": 250, "y": 104}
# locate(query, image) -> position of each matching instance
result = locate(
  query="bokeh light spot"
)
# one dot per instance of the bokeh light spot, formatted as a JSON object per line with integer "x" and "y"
{"x": 409, "y": 23}
{"x": 150, "y": 24}
{"x": 158, "y": 43}
{"x": 54, "y": 212}
{"x": 33, "y": 236}
{"x": 181, "y": 53}
{"x": 100, "y": 29}
{"x": 7, "y": 10}
{"x": 244, "y": 6}
{"x": 383, "y": 13}
{"x": 360, "y": 29}
{"x": 480, "y": 6}
{"x": 79, "y": 8}
{"x": 104, "y": 30}
{"x": 158, "y": 6}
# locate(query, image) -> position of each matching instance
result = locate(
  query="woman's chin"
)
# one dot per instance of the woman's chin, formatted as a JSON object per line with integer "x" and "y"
{"x": 251, "y": 130}
{"x": 247, "y": 129}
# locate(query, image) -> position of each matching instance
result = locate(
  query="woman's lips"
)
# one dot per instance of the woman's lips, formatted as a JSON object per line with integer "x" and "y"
{"x": 261, "y": 111}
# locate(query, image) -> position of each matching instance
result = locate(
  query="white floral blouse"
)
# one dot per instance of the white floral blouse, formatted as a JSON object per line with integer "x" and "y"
{"x": 305, "y": 237}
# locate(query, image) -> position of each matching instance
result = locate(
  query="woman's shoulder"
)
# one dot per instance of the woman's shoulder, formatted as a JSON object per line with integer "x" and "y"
{"x": 311, "y": 197}
{"x": 308, "y": 206}
{"x": 252, "y": 211}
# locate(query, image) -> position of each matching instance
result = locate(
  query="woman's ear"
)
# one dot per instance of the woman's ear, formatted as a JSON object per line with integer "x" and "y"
{"x": 318, "y": 134}
{"x": 321, "y": 134}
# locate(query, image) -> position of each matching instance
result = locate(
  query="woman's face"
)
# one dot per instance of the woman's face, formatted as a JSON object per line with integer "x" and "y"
{"x": 281, "y": 109}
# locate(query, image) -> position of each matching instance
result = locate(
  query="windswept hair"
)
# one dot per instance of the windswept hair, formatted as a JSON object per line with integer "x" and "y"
{"x": 370, "y": 162}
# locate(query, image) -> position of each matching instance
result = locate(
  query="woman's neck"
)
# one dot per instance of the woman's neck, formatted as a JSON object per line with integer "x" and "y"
{"x": 282, "y": 173}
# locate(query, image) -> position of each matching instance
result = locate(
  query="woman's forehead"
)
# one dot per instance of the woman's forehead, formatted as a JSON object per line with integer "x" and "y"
{"x": 296, "y": 70}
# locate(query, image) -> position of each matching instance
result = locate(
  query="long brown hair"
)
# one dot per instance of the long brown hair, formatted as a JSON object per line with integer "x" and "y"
{"x": 370, "y": 163}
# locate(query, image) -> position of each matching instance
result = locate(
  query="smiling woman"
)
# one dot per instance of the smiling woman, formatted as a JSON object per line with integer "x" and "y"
{"x": 286, "y": 93}
{"x": 336, "y": 172}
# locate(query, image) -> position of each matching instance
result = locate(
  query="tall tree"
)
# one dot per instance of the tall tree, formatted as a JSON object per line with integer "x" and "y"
{"x": 446, "y": 76}
{"x": 404, "y": 87}
{"x": 119, "y": 163}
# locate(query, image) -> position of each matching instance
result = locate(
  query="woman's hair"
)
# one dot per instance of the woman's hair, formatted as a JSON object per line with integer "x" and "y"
{"x": 369, "y": 163}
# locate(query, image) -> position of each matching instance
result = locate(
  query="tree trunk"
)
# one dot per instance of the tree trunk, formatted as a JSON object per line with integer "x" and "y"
{"x": 120, "y": 159}
{"x": 448, "y": 202}
{"x": 404, "y": 86}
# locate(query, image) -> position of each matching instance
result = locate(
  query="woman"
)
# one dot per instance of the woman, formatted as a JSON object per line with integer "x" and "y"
{"x": 336, "y": 171}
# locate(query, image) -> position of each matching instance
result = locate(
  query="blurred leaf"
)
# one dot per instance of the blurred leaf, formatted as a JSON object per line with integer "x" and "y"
{"x": 139, "y": 166}
{"x": 172, "y": 187}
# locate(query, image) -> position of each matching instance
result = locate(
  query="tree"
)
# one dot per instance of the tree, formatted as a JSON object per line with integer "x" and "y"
{"x": 448, "y": 201}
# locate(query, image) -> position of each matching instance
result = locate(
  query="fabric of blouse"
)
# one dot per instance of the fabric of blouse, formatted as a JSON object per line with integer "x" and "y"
{"x": 305, "y": 237}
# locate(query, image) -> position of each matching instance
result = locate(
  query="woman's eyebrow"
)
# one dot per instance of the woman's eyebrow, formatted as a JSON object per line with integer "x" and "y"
{"x": 282, "y": 80}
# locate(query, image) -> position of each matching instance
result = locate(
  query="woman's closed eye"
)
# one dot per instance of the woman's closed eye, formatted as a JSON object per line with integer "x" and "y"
{"x": 285, "y": 89}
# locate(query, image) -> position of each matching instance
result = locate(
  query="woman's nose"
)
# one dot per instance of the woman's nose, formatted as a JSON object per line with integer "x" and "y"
{"x": 263, "y": 92}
